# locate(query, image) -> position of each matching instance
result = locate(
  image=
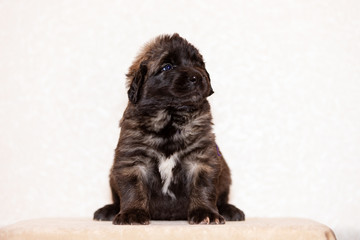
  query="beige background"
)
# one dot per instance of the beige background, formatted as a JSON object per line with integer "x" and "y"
{"x": 286, "y": 107}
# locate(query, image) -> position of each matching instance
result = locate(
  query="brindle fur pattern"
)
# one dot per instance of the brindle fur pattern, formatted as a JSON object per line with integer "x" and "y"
{"x": 167, "y": 165}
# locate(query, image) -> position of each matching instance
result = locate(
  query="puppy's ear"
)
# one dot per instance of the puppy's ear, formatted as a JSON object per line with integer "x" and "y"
{"x": 136, "y": 83}
{"x": 211, "y": 89}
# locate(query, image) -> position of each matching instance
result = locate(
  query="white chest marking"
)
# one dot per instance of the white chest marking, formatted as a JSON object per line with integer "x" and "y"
{"x": 166, "y": 166}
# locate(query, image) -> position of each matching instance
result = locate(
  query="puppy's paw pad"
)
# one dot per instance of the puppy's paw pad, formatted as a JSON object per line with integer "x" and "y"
{"x": 205, "y": 216}
{"x": 132, "y": 217}
{"x": 205, "y": 221}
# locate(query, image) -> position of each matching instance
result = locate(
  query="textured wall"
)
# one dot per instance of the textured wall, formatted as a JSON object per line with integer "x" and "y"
{"x": 286, "y": 107}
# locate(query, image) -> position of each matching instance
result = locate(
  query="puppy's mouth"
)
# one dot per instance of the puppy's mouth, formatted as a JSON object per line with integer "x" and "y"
{"x": 190, "y": 99}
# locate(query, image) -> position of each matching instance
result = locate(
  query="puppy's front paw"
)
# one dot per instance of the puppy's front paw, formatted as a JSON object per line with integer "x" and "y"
{"x": 132, "y": 217}
{"x": 205, "y": 216}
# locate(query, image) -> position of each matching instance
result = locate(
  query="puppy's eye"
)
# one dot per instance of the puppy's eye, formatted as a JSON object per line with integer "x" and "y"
{"x": 166, "y": 67}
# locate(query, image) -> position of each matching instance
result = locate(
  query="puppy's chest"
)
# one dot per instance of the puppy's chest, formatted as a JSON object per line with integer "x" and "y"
{"x": 166, "y": 169}
{"x": 169, "y": 133}
{"x": 170, "y": 136}
{"x": 166, "y": 125}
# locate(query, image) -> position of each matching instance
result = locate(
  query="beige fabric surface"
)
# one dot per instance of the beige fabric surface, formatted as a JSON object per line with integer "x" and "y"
{"x": 251, "y": 229}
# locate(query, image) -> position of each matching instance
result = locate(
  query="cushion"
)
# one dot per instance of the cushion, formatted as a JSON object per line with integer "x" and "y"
{"x": 251, "y": 229}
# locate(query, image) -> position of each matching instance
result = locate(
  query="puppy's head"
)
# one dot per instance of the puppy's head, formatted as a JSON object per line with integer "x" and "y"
{"x": 169, "y": 72}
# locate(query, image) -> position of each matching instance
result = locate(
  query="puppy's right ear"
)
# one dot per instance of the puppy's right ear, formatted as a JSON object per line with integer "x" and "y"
{"x": 211, "y": 91}
{"x": 136, "y": 83}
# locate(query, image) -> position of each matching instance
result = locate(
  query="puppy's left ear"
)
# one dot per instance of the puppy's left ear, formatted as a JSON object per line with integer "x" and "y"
{"x": 136, "y": 83}
{"x": 211, "y": 89}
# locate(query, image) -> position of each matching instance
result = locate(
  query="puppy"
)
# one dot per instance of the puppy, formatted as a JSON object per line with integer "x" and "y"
{"x": 167, "y": 165}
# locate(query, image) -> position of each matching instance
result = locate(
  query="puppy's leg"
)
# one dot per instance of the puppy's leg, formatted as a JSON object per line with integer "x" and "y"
{"x": 130, "y": 183}
{"x": 202, "y": 208}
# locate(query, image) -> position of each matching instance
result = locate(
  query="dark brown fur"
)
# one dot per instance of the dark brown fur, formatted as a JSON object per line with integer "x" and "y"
{"x": 167, "y": 165}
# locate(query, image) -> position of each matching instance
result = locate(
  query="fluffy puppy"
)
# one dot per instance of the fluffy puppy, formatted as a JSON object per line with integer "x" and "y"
{"x": 167, "y": 165}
